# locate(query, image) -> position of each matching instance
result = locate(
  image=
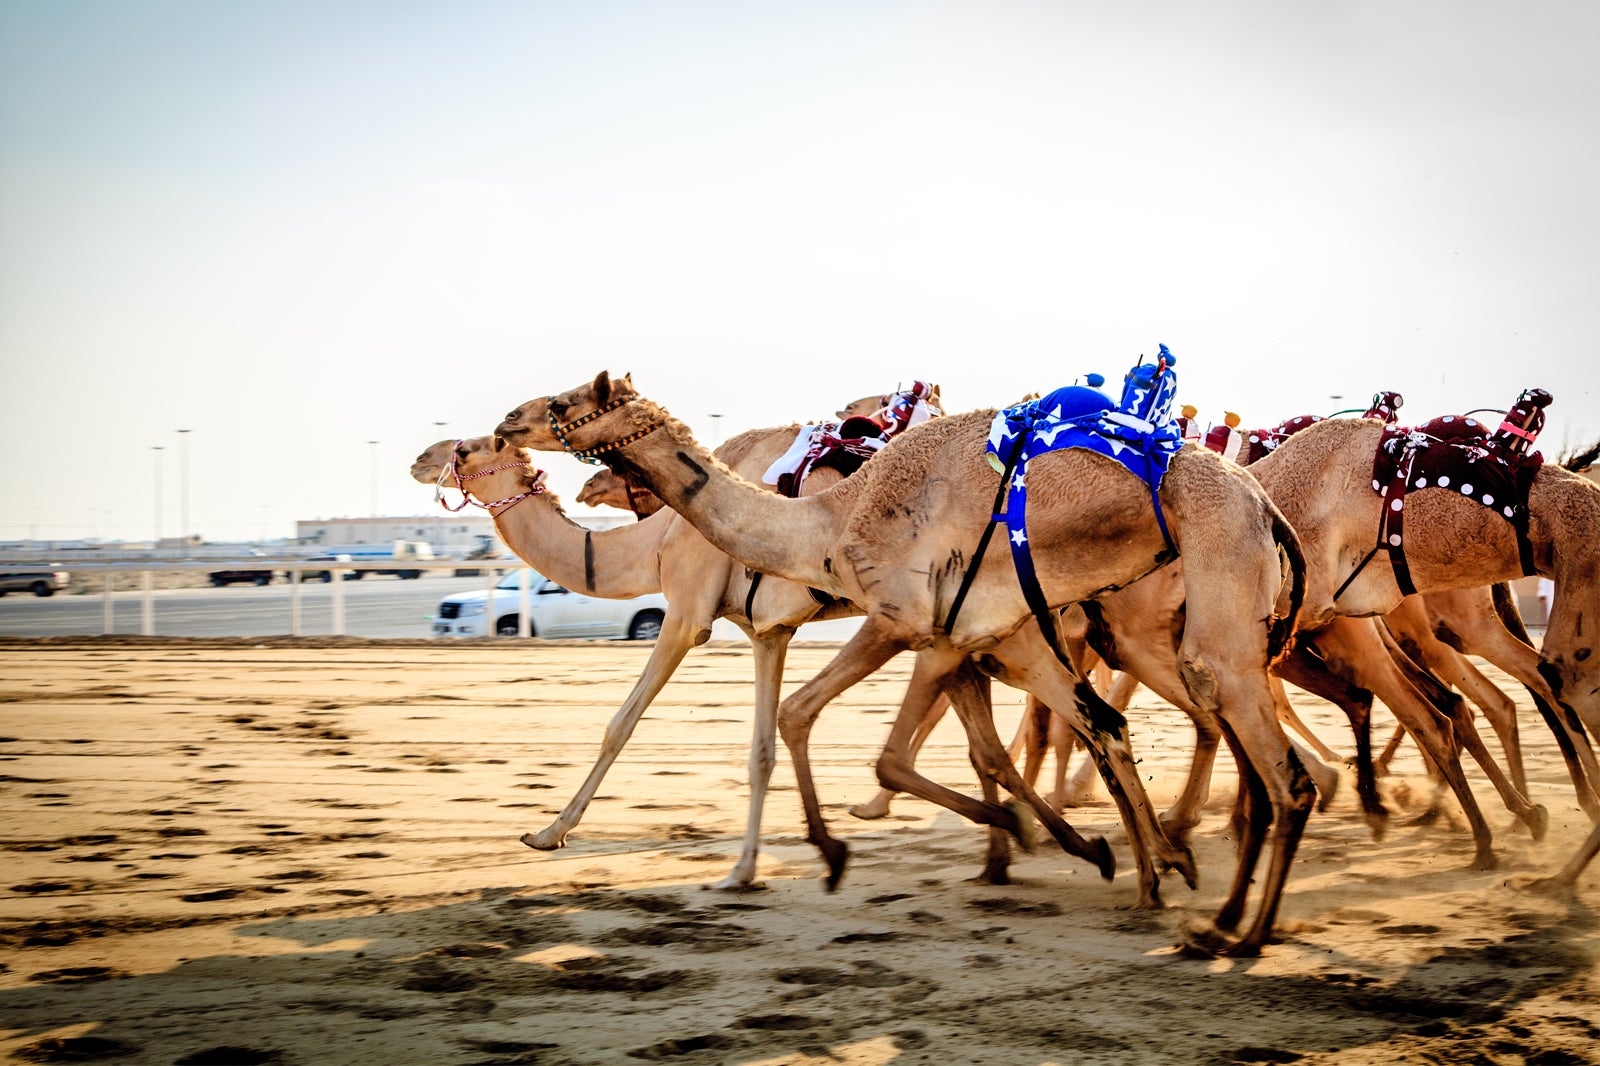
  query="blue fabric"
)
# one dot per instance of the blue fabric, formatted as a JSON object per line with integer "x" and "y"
{"x": 1138, "y": 431}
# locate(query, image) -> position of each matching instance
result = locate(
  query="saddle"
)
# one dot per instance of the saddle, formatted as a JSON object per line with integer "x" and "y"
{"x": 1460, "y": 454}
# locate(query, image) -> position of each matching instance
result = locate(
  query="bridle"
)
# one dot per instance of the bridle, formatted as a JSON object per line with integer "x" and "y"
{"x": 591, "y": 455}
{"x": 452, "y": 471}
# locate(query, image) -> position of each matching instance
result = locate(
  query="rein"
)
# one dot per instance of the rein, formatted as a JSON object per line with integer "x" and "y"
{"x": 591, "y": 455}
{"x": 451, "y": 470}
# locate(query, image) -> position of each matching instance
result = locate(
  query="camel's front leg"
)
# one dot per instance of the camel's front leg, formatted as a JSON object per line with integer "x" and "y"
{"x": 865, "y": 652}
{"x": 1569, "y": 873}
{"x": 770, "y": 648}
{"x": 678, "y": 635}
{"x": 1312, "y": 671}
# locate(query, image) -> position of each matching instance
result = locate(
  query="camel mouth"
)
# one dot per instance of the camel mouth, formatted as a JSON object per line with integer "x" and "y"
{"x": 425, "y": 472}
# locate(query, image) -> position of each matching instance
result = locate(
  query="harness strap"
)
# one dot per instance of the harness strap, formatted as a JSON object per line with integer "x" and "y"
{"x": 995, "y": 517}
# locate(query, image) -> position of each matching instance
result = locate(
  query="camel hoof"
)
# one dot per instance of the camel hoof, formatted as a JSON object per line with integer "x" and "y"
{"x": 1484, "y": 860}
{"x": 1538, "y": 820}
{"x": 995, "y": 874}
{"x": 736, "y": 883}
{"x": 1027, "y": 830}
{"x": 1201, "y": 940}
{"x": 1103, "y": 857}
{"x": 1325, "y": 794}
{"x": 1427, "y": 817}
{"x": 1550, "y": 886}
{"x": 1378, "y": 822}
{"x": 545, "y": 840}
{"x": 836, "y": 854}
{"x": 1182, "y": 860}
{"x": 871, "y": 810}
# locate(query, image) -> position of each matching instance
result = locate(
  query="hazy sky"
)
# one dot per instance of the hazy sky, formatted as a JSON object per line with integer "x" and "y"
{"x": 296, "y": 227}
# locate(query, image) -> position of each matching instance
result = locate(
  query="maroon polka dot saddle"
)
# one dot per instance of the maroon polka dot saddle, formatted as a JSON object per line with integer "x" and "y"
{"x": 1459, "y": 454}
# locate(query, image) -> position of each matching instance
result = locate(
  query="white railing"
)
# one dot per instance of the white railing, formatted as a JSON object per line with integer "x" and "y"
{"x": 147, "y": 569}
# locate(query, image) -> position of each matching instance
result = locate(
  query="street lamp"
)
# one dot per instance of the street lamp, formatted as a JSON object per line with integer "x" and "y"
{"x": 372, "y": 525}
{"x": 183, "y": 486}
{"x": 158, "y": 449}
{"x": 716, "y": 430}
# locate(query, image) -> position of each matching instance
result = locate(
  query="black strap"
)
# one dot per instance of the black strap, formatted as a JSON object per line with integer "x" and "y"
{"x": 988, "y": 532}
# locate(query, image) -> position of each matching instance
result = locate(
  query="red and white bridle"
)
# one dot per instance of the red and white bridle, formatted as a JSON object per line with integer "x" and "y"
{"x": 451, "y": 471}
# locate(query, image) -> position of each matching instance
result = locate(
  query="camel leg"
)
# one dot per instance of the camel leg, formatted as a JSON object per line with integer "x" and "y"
{"x": 1380, "y": 765}
{"x": 1468, "y": 619}
{"x": 1455, "y": 709}
{"x": 1081, "y": 788}
{"x": 1356, "y": 644}
{"x": 969, "y": 692}
{"x": 1224, "y": 669}
{"x": 1026, "y": 661}
{"x": 878, "y": 805}
{"x": 1289, "y": 717}
{"x": 1568, "y": 876}
{"x": 1306, "y": 667}
{"x": 1409, "y": 626}
{"x": 770, "y": 649}
{"x": 1033, "y": 737}
{"x": 677, "y": 637}
{"x": 865, "y": 652}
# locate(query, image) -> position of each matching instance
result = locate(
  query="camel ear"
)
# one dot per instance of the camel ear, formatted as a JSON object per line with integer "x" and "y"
{"x": 497, "y": 442}
{"x": 602, "y": 388}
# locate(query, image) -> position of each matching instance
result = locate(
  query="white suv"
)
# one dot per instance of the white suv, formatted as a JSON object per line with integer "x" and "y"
{"x": 553, "y": 612}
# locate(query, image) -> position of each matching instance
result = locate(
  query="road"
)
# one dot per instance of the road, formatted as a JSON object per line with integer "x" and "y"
{"x": 373, "y": 607}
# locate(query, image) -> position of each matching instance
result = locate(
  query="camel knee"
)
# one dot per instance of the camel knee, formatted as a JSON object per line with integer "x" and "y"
{"x": 894, "y": 772}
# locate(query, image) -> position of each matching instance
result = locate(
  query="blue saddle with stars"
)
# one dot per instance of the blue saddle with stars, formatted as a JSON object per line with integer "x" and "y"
{"x": 1139, "y": 431}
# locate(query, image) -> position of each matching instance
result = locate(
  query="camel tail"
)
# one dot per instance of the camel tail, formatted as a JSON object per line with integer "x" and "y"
{"x": 1579, "y": 461}
{"x": 1280, "y": 634}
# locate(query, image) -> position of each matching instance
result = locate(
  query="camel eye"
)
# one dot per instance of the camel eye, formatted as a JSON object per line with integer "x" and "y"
{"x": 515, "y": 416}
{"x": 558, "y": 408}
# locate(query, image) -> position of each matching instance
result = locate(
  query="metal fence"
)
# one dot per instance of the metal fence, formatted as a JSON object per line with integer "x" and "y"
{"x": 147, "y": 569}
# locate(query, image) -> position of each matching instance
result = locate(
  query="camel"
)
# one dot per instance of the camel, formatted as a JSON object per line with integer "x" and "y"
{"x": 658, "y": 554}
{"x": 897, "y": 539}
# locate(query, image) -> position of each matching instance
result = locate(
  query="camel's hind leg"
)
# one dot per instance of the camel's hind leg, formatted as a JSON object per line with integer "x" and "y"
{"x": 865, "y": 652}
{"x": 969, "y": 694}
{"x": 1025, "y": 660}
{"x": 1470, "y": 619}
{"x": 878, "y": 806}
{"x": 678, "y": 635}
{"x": 1355, "y": 642}
{"x": 1306, "y": 667}
{"x": 1568, "y": 875}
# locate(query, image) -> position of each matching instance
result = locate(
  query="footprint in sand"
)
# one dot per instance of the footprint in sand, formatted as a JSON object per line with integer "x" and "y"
{"x": 74, "y": 1049}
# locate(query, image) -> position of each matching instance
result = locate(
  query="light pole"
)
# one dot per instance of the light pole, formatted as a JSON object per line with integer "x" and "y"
{"x": 372, "y": 525}
{"x": 716, "y": 430}
{"x": 183, "y": 486}
{"x": 158, "y": 449}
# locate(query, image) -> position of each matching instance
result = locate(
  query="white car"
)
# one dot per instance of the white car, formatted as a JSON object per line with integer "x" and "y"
{"x": 553, "y": 612}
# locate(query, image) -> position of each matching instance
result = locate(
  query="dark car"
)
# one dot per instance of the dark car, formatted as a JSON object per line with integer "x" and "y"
{"x": 220, "y": 578}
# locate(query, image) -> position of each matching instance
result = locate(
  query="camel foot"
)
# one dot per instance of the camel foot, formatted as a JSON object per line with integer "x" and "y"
{"x": 1427, "y": 817}
{"x": 994, "y": 874}
{"x": 736, "y": 882}
{"x": 1538, "y": 821}
{"x": 1176, "y": 831}
{"x": 1202, "y": 940}
{"x": 1181, "y": 859}
{"x": 1484, "y": 860}
{"x": 1327, "y": 787}
{"x": 875, "y": 808}
{"x": 1103, "y": 857}
{"x": 544, "y": 840}
{"x": 836, "y": 854}
{"x": 1550, "y": 886}
{"x": 1378, "y": 822}
{"x": 1027, "y": 830}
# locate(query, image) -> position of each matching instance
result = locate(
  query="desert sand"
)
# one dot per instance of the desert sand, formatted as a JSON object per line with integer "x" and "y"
{"x": 305, "y": 851}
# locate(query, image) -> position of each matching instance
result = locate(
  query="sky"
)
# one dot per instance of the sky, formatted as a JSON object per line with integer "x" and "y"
{"x": 294, "y": 228}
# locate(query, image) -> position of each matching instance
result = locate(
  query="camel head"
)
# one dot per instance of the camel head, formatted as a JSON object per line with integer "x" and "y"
{"x": 586, "y": 421}
{"x": 873, "y": 406}
{"x": 498, "y": 471}
{"x": 610, "y": 489}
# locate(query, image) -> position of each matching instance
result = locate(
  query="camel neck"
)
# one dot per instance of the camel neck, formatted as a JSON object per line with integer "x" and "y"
{"x": 614, "y": 563}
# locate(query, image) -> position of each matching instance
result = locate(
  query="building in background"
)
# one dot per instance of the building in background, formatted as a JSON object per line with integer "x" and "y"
{"x": 449, "y": 534}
